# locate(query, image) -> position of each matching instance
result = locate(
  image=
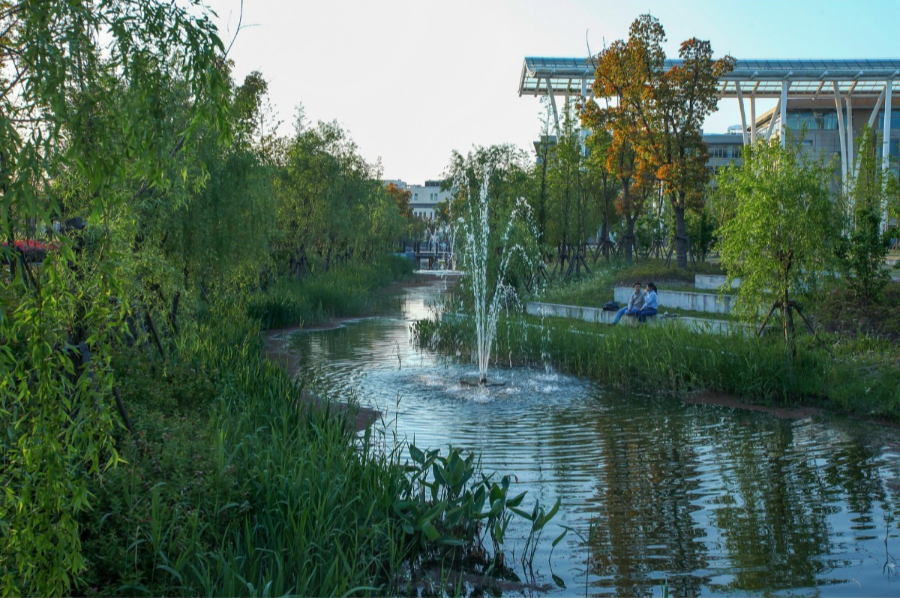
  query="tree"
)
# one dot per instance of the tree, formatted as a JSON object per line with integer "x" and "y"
{"x": 624, "y": 72}
{"x": 401, "y": 198}
{"x": 782, "y": 238}
{"x": 658, "y": 114}
{"x": 64, "y": 61}
{"x": 604, "y": 186}
{"x": 684, "y": 97}
{"x": 865, "y": 247}
{"x": 569, "y": 212}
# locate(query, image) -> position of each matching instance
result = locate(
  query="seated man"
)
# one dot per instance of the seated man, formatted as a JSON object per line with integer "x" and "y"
{"x": 651, "y": 302}
{"x": 634, "y": 304}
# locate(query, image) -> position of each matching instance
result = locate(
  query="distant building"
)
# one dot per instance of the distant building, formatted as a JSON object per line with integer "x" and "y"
{"x": 832, "y": 100}
{"x": 424, "y": 198}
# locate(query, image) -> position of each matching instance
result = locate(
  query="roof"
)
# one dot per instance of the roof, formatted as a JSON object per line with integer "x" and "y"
{"x": 807, "y": 78}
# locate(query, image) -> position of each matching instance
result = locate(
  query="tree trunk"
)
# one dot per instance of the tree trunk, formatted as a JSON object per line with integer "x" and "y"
{"x": 680, "y": 237}
{"x": 788, "y": 317}
{"x": 628, "y": 240}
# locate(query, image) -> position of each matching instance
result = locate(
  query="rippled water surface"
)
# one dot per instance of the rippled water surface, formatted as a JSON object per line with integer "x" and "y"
{"x": 711, "y": 500}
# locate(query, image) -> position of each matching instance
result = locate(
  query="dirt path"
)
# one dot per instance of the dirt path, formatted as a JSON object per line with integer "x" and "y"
{"x": 275, "y": 348}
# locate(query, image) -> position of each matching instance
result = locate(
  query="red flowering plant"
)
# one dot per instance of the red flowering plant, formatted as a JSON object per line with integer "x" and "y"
{"x": 34, "y": 250}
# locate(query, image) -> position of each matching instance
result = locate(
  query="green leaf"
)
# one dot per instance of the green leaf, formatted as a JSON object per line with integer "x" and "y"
{"x": 417, "y": 455}
{"x": 560, "y": 537}
{"x": 430, "y": 532}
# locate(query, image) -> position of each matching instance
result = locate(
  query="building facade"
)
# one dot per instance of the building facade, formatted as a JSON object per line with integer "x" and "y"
{"x": 424, "y": 199}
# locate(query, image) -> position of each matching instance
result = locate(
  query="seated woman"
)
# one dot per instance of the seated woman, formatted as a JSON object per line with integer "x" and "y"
{"x": 651, "y": 302}
{"x": 634, "y": 304}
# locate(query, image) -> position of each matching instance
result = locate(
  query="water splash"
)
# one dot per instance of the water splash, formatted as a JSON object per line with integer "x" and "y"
{"x": 489, "y": 296}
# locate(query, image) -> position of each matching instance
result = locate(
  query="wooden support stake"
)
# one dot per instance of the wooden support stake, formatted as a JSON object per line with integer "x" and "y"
{"x": 155, "y": 334}
{"x": 122, "y": 411}
{"x": 766, "y": 320}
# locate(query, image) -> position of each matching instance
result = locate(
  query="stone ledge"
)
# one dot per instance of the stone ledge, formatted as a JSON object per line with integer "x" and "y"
{"x": 706, "y": 302}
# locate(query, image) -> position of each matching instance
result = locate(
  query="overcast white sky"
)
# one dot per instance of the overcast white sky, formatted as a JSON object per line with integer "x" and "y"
{"x": 413, "y": 80}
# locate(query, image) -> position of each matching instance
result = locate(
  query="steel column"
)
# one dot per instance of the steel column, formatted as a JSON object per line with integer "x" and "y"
{"x": 875, "y": 110}
{"x": 841, "y": 133}
{"x": 553, "y": 104}
{"x": 850, "y": 147}
{"x": 771, "y": 128}
{"x": 886, "y": 144}
{"x": 886, "y": 128}
{"x": 784, "y": 93}
{"x": 743, "y": 118}
{"x": 753, "y": 117}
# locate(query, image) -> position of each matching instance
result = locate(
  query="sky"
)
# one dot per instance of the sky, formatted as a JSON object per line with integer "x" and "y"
{"x": 413, "y": 80}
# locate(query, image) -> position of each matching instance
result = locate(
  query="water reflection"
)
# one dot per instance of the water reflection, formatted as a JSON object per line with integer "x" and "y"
{"x": 708, "y": 500}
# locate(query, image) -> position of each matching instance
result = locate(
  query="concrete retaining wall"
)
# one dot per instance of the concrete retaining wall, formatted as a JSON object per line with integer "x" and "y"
{"x": 705, "y": 302}
{"x": 575, "y": 312}
{"x": 714, "y": 282}
{"x": 593, "y": 314}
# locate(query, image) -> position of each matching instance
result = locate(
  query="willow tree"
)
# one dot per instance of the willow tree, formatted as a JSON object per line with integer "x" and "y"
{"x": 659, "y": 112}
{"x": 570, "y": 213}
{"x": 61, "y": 63}
{"x": 866, "y": 245}
{"x": 783, "y": 236}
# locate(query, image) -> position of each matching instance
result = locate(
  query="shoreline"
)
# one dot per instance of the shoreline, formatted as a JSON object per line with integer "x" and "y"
{"x": 274, "y": 349}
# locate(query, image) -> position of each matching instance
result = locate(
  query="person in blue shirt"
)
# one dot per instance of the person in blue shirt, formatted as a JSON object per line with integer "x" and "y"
{"x": 634, "y": 304}
{"x": 651, "y": 302}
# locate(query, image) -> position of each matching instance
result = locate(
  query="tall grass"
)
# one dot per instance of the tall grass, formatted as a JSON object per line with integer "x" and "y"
{"x": 674, "y": 359}
{"x": 233, "y": 486}
{"x": 251, "y": 493}
{"x": 343, "y": 291}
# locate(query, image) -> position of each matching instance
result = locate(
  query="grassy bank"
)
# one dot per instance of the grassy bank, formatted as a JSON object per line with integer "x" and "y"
{"x": 350, "y": 290}
{"x": 597, "y": 288}
{"x": 671, "y": 359}
{"x": 230, "y": 486}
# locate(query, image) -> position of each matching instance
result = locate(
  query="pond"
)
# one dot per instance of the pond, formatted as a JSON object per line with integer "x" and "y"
{"x": 708, "y": 500}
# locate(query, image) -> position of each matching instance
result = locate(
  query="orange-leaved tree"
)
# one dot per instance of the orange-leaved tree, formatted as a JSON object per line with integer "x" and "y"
{"x": 656, "y": 114}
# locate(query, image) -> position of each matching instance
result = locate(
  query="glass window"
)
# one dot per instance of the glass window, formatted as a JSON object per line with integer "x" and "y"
{"x": 895, "y": 119}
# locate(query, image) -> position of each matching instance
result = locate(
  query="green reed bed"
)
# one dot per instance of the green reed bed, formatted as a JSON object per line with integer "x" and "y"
{"x": 673, "y": 359}
{"x": 234, "y": 488}
{"x": 347, "y": 290}
{"x": 231, "y": 486}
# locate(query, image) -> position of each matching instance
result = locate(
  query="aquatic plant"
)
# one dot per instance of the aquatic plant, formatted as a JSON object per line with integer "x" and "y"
{"x": 674, "y": 359}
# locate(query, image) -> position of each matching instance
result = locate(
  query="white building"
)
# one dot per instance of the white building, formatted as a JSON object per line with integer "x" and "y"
{"x": 424, "y": 198}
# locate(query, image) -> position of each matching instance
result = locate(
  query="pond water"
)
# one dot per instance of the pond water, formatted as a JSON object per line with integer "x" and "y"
{"x": 710, "y": 500}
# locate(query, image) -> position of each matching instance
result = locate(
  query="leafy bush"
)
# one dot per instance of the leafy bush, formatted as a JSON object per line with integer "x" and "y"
{"x": 841, "y": 311}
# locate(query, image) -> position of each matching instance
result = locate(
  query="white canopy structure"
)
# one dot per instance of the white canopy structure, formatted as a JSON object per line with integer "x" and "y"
{"x": 839, "y": 81}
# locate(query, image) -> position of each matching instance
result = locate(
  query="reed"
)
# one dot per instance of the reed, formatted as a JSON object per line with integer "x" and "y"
{"x": 343, "y": 291}
{"x": 673, "y": 359}
{"x": 233, "y": 486}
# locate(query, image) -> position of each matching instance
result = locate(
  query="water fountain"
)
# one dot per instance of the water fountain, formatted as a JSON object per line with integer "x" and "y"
{"x": 488, "y": 296}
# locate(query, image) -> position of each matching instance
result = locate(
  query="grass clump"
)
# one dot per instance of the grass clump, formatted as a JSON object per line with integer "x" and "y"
{"x": 343, "y": 291}
{"x": 673, "y": 359}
